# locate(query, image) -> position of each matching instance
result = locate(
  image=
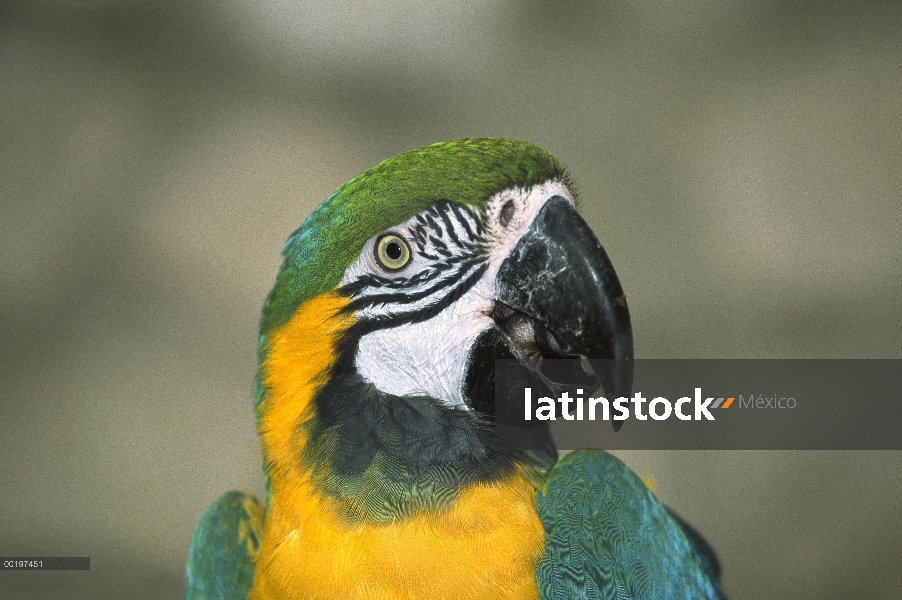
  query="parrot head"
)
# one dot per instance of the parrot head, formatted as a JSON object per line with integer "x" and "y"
{"x": 396, "y": 297}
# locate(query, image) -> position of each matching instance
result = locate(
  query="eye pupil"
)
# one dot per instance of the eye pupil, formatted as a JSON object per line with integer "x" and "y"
{"x": 392, "y": 252}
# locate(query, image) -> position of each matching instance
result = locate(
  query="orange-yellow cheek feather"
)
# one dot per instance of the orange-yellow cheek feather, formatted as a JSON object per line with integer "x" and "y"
{"x": 300, "y": 354}
{"x": 484, "y": 545}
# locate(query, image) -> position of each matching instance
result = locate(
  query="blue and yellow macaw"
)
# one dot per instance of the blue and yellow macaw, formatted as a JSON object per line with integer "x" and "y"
{"x": 376, "y": 408}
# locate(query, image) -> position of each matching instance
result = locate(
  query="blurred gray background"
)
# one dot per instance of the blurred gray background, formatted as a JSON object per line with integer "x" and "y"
{"x": 741, "y": 162}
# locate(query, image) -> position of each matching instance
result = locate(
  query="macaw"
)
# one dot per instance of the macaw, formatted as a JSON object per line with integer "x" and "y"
{"x": 376, "y": 406}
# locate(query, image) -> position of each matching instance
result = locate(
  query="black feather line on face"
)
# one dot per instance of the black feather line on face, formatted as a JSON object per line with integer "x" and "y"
{"x": 449, "y": 227}
{"x": 449, "y": 250}
{"x": 458, "y": 212}
{"x": 399, "y": 298}
{"x": 428, "y": 220}
{"x": 372, "y": 281}
{"x": 370, "y": 324}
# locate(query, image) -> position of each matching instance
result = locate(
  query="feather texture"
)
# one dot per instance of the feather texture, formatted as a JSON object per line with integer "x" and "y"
{"x": 225, "y": 543}
{"x": 388, "y": 474}
{"x": 607, "y": 536}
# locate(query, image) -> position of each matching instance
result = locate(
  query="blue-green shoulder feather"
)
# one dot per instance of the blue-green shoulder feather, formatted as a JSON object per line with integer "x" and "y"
{"x": 223, "y": 548}
{"x": 607, "y": 536}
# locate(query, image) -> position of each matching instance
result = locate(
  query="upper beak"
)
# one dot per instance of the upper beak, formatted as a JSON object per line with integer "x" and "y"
{"x": 560, "y": 278}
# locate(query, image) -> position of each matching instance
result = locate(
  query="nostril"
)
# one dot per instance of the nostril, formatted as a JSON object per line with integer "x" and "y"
{"x": 507, "y": 213}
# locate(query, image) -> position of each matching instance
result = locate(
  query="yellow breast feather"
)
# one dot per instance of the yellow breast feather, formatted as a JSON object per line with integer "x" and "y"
{"x": 484, "y": 544}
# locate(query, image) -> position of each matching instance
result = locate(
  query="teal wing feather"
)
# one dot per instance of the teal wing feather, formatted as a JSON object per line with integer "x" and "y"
{"x": 223, "y": 548}
{"x": 607, "y": 536}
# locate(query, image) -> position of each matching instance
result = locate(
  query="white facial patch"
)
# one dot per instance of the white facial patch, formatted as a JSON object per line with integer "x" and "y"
{"x": 450, "y": 247}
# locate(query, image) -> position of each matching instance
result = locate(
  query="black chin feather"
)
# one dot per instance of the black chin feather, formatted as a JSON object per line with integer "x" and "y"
{"x": 384, "y": 456}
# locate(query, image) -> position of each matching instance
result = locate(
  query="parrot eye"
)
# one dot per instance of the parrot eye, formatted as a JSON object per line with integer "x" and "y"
{"x": 392, "y": 252}
{"x": 507, "y": 213}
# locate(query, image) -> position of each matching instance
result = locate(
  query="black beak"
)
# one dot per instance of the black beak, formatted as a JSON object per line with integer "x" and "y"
{"x": 560, "y": 279}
